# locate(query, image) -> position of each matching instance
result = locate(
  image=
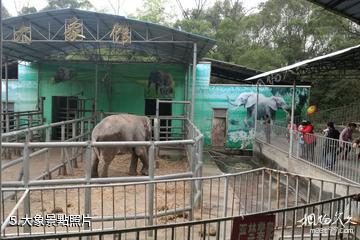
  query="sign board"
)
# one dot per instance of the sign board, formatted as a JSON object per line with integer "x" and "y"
{"x": 260, "y": 227}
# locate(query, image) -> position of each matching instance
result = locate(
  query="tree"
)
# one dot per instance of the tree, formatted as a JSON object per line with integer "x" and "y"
{"x": 27, "y": 10}
{"x": 4, "y": 12}
{"x": 77, "y": 4}
{"x": 154, "y": 11}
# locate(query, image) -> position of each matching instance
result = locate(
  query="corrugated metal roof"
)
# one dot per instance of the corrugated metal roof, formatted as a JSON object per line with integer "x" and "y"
{"x": 307, "y": 63}
{"x": 47, "y": 37}
{"x": 230, "y": 71}
{"x": 347, "y": 8}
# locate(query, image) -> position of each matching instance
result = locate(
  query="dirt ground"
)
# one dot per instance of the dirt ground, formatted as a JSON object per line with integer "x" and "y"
{"x": 125, "y": 201}
{"x": 167, "y": 163}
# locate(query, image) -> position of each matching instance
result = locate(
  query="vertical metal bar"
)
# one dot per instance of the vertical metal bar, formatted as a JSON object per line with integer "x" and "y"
{"x": 262, "y": 188}
{"x": 193, "y": 83}
{"x": 96, "y": 88}
{"x": 7, "y": 95}
{"x": 1, "y": 121}
{"x": 269, "y": 194}
{"x": 82, "y": 139}
{"x": 151, "y": 188}
{"x": 292, "y": 118}
{"x": 47, "y": 155}
{"x": 87, "y": 204}
{"x": 73, "y": 152}
{"x": 226, "y": 193}
{"x": 26, "y": 170}
{"x": 256, "y": 108}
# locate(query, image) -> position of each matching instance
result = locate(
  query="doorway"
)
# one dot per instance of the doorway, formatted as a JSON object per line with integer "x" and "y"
{"x": 165, "y": 109}
{"x": 219, "y": 127}
{"x": 63, "y": 108}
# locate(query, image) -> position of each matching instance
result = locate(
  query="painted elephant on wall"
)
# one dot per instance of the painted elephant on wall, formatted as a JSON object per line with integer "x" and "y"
{"x": 162, "y": 81}
{"x": 121, "y": 127}
{"x": 266, "y": 105}
{"x": 64, "y": 74}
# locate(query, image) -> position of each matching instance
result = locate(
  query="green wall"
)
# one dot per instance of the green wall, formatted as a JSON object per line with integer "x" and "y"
{"x": 121, "y": 87}
{"x": 23, "y": 91}
{"x": 208, "y": 97}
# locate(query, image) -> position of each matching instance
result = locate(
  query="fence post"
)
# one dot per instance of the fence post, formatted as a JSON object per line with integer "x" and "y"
{"x": 193, "y": 183}
{"x": 226, "y": 193}
{"x": 298, "y": 135}
{"x": 26, "y": 173}
{"x": 62, "y": 153}
{"x": 48, "y": 139}
{"x": 87, "y": 199}
{"x": 7, "y": 122}
{"x": 151, "y": 187}
{"x": 73, "y": 152}
{"x": 82, "y": 138}
{"x": 156, "y": 134}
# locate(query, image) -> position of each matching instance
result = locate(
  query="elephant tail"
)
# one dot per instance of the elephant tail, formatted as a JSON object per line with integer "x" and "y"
{"x": 231, "y": 102}
{"x": 96, "y": 151}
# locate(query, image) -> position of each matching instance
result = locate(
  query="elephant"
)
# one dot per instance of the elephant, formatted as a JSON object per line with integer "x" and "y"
{"x": 63, "y": 74}
{"x": 121, "y": 127}
{"x": 266, "y": 105}
{"x": 162, "y": 82}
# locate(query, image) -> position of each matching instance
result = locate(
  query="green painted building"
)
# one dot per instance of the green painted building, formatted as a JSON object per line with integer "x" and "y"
{"x": 128, "y": 88}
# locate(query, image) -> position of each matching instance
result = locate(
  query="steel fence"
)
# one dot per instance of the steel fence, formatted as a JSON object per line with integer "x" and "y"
{"x": 134, "y": 209}
{"x": 73, "y": 148}
{"x": 332, "y": 155}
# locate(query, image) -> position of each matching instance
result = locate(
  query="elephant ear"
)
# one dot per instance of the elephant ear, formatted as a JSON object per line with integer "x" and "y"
{"x": 147, "y": 126}
{"x": 251, "y": 101}
{"x": 273, "y": 103}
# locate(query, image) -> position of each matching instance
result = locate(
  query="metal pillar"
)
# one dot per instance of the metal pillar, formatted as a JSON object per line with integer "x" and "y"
{"x": 6, "y": 86}
{"x": 193, "y": 83}
{"x": 256, "y": 108}
{"x": 96, "y": 88}
{"x": 292, "y": 118}
{"x": 7, "y": 119}
{"x": 1, "y": 54}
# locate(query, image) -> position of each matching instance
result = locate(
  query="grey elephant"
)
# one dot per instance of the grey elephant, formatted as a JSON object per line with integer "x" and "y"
{"x": 121, "y": 127}
{"x": 266, "y": 105}
{"x": 162, "y": 81}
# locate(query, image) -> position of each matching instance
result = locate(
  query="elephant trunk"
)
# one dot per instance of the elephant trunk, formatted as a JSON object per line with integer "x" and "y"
{"x": 232, "y": 102}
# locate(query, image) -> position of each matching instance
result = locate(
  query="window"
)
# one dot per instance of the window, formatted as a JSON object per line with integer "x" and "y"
{"x": 12, "y": 71}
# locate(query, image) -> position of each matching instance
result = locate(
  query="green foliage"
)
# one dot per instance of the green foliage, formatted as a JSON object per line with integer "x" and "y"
{"x": 4, "y": 12}
{"x": 278, "y": 34}
{"x": 154, "y": 11}
{"x": 27, "y": 10}
{"x": 77, "y": 4}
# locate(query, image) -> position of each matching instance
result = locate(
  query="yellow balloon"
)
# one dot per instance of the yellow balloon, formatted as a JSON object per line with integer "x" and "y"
{"x": 311, "y": 110}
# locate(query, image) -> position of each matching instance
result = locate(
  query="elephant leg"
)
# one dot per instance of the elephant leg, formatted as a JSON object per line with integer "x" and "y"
{"x": 133, "y": 163}
{"x": 95, "y": 164}
{"x": 141, "y": 152}
{"x": 107, "y": 156}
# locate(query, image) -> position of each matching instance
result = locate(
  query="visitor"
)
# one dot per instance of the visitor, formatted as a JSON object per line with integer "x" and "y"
{"x": 345, "y": 140}
{"x": 307, "y": 131}
{"x": 356, "y": 148}
{"x": 301, "y": 139}
{"x": 267, "y": 122}
{"x": 291, "y": 127}
{"x": 331, "y": 144}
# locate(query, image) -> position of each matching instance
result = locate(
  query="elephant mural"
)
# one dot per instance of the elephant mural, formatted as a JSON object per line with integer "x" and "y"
{"x": 64, "y": 74}
{"x": 162, "y": 82}
{"x": 266, "y": 105}
{"x": 121, "y": 127}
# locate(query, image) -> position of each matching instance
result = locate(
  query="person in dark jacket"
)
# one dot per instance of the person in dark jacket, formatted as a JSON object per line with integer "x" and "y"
{"x": 331, "y": 145}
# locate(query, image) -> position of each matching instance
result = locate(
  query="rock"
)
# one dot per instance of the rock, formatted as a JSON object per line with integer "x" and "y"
{"x": 57, "y": 210}
{"x": 209, "y": 232}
